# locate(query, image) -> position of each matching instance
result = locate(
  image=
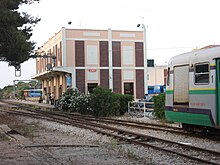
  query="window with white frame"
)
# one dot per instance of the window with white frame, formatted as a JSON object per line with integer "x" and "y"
{"x": 128, "y": 55}
{"x": 202, "y": 73}
{"x": 92, "y": 55}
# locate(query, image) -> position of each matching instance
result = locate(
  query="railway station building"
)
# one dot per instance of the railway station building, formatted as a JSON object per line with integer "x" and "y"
{"x": 83, "y": 59}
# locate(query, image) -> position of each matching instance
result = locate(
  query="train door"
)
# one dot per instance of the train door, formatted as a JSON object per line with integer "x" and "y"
{"x": 181, "y": 85}
{"x": 218, "y": 90}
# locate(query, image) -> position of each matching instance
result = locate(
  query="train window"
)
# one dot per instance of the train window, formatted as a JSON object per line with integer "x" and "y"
{"x": 201, "y": 73}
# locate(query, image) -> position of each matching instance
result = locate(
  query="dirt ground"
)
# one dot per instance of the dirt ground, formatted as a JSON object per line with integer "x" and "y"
{"x": 25, "y": 141}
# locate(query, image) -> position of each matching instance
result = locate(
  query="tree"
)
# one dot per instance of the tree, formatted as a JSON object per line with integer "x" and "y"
{"x": 15, "y": 31}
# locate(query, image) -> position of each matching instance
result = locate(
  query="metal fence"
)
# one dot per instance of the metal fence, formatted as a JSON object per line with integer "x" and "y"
{"x": 140, "y": 108}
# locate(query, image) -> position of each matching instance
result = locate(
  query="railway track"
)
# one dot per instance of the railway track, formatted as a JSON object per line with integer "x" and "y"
{"x": 127, "y": 123}
{"x": 184, "y": 150}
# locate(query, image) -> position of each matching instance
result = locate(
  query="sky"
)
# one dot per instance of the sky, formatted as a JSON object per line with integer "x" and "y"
{"x": 173, "y": 26}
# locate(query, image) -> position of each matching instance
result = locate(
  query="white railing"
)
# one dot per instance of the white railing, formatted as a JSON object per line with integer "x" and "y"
{"x": 140, "y": 108}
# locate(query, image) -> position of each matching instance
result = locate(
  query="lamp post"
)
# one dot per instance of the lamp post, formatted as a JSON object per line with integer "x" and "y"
{"x": 14, "y": 88}
{"x": 46, "y": 56}
{"x": 145, "y": 58}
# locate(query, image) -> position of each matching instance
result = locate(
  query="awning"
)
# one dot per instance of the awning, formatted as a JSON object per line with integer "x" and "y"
{"x": 52, "y": 73}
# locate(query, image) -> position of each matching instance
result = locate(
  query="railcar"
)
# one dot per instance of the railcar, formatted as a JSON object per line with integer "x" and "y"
{"x": 157, "y": 89}
{"x": 33, "y": 95}
{"x": 193, "y": 89}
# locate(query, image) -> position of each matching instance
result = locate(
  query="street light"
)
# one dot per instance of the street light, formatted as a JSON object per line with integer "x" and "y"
{"x": 46, "y": 56}
{"x": 145, "y": 58}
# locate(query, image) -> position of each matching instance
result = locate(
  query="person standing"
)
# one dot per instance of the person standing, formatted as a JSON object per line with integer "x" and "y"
{"x": 52, "y": 98}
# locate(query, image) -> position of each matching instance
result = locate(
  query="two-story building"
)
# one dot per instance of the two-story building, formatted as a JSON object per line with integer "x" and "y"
{"x": 83, "y": 59}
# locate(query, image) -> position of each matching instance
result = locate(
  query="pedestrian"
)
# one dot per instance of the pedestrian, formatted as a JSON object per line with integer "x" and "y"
{"x": 49, "y": 98}
{"x": 52, "y": 98}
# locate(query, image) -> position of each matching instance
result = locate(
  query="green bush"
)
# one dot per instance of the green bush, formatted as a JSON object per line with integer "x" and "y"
{"x": 101, "y": 103}
{"x": 104, "y": 102}
{"x": 81, "y": 104}
{"x": 159, "y": 106}
{"x": 123, "y": 103}
{"x": 68, "y": 99}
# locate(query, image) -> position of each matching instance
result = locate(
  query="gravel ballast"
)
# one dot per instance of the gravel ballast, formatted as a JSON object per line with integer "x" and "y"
{"x": 108, "y": 150}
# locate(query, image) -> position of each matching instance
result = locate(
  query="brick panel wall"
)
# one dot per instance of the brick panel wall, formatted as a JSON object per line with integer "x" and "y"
{"x": 139, "y": 54}
{"x": 116, "y": 53}
{"x": 104, "y": 78}
{"x": 104, "y": 62}
{"x": 80, "y": 53}
{"x": 139, "y": 84}
{"x": 80, "y": 79}
{"x": 117, "y": 81}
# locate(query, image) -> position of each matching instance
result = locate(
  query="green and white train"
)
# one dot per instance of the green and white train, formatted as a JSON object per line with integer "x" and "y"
{"x": 193, "y": 89}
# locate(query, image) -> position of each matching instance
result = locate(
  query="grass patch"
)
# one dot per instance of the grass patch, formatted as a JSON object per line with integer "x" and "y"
{"x": 29, "y": 130}
{"x": 113, "y": 144}
{"x": 3, "y": 137}
{"x": 13, "y": 122}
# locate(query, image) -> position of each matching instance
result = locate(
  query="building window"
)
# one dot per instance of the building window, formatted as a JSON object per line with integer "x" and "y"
{"x": 128, "y": 55}
{"x": 129, "y": 88}
{"x": 91, "y": 86}
{"x": 202, "y": 73}
{"x": 92, "y": 55}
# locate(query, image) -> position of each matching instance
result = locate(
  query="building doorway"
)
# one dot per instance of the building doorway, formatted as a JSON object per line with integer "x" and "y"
{"x": 60, "y": 92}
{"x": 91, "y": 86}
{"x": 129, "y": 88}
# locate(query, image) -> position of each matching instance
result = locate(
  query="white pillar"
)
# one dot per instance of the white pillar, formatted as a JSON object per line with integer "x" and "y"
{"x": 110, "y": 59}
{"x": 74, "y": 78}
{"x": 63, "y": 46}
{"x": 145, "y": 60}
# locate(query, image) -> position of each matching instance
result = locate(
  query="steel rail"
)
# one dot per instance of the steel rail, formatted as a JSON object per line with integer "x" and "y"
{"x": 137, "y": 138}
{"x": 135, "y": 124}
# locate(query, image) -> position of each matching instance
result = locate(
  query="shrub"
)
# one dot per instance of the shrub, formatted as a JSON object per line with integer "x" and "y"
{"x": 159, "y": 106}
{"x": 123, "y": 102}
{"x": 68, "y": 98}
{"x": 81, "y": 104}
{"x": 104, "y": 102}
{"x": 101, "y": 103}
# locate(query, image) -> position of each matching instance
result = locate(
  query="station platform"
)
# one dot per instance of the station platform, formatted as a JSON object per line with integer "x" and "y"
{"x": 42, "y": 105}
